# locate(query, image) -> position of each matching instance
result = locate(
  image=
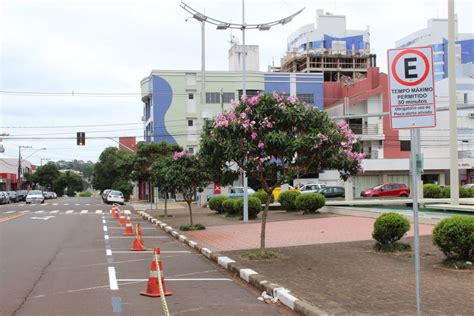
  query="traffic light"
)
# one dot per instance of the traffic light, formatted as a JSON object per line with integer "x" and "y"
{"x": 81, "y": 139}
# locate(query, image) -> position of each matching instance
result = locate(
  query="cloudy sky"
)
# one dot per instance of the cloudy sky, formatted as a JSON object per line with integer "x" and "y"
{"x": 84, "y": 59}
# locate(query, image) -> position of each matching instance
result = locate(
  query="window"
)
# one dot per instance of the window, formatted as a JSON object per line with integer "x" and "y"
{"x": 191, "y": 96}
{"x": 213, "y": 97}
{"x": 249, "y": 93}
{"x": 228, "y": 96}
{"x": 190, "y": 123}
{"x": 404, "y": 145}
{"x": 191, "y": 150}
{"x": 306, "y": 97}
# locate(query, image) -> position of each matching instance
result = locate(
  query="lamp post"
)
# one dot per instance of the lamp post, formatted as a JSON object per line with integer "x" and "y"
{"x": 222, "y": 25}
{"x": 18, "y": 180}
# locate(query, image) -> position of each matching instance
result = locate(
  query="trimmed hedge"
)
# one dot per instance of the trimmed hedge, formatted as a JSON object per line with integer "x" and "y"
{"x": 255, "y": 207}
{"x": 288, "y": 200}
{"x": 446, "y": 192}
{"x": 455, "y": 237}
{"x": 262, "y": 196}
{"x": 310, "y": 202}
{"x": 432, "y": 191}
{"x": 215, "y": 203}
{"x": 390, "y": 228}
{"x": 85, "y": 194}
{"x": 229, "y": 206}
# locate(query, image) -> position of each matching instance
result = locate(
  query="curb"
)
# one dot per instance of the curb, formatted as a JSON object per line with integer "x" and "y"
{"x": 252, "y": 277}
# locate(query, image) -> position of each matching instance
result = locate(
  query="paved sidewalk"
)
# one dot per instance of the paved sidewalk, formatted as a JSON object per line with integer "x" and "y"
{"x": 290, "y": 233}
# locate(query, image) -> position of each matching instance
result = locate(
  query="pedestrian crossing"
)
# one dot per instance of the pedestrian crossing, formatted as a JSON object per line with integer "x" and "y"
{"x": 56, "y": 204}
{"x": 58, "y": 212}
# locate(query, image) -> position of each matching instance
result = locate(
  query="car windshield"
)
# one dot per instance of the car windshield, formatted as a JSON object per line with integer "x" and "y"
{"x": 115, "y": 193}
{"x": 35, "y": 192}
{"x": 378, "y": 187}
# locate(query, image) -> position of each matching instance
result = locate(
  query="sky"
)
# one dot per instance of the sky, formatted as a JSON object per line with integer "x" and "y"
{"x": 72, "y": 66}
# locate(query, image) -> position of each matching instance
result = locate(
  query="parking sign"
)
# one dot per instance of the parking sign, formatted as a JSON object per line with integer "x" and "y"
{"x": 411, "y": 88}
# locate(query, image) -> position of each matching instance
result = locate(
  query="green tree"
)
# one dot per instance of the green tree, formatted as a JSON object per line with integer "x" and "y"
{"x": 69, "y": 183}
{"x": 46, "y": 175}
{"x": 182, "y": 173}
{"x": 114, "y": 165}
{"x": 272, "y": 137}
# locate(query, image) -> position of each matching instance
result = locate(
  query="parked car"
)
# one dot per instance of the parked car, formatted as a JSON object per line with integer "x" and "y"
{"x": 22, "y": 195}
{"x": 4, "y": 199}
{"x": 468, "y": 185}
{"x": 331, "y": 192}
{"x": 238, "y": 192}
{"x": 13, "y": 196}
{"x": 55, "y": 196}
{"x": 104, "y": 195}
{"x": 311, "y": 188}
{"x": 115, "y": 197}
{"x": 49, "y": 195}
{"x": 386, "y": 190}
{"x": 34, "y": 196}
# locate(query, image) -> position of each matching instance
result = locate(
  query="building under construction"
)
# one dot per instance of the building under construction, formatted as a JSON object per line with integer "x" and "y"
{"x": 330, "y": 49}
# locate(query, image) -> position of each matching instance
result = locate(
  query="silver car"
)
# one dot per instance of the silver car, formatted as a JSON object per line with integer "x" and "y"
{"x": 35, "y": 196}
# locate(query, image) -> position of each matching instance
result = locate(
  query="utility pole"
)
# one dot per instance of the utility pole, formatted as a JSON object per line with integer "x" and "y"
{"x": 18, "y": 181}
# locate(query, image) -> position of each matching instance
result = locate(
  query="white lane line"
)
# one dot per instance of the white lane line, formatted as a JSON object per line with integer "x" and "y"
{"x": 140, "y": 228}
{"x": 39, "y": 212}
{"x": 195, "y": 279}
{"x": 77, "y": 204}
{"x": 98, "y": 212}
{"x": 108, "y": 252}
{"x": 150, "y": 251}
{"x": 9, "y": 212}
{"x": 87, "y": 204}
{"x": 69, "y": 211}
{"x": 45, "y": 203}
{"x": 66, "y": 204}
{"x": 84, "y": 211}
{"x": 26, "y": 211}
{"x": 113, "y": 279}
{"x": 106, "y": 236}
{"x": 103, "y": 221}
{"x": 54, "y": 212}
{"x": 142, "y": 236}
{"x": 105, "y": 228}
{"x": 55, "y": 203}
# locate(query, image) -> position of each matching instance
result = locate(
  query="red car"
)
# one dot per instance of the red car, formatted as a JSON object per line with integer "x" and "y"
{"x": 387, "y": 189}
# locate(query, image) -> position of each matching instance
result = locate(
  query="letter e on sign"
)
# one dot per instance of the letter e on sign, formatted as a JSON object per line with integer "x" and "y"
{"x": 411, "y": 87}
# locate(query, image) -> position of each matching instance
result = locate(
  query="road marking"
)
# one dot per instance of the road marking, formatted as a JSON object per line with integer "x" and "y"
{"x": 45, "y": 218}
{"x": 87, "y": 204}
{"x": 84, "y": 211}
{"x": 108, "y": 252}
{"x": 45, "y": 203}
{"x": 54, "y": 212}
{"x": 69, "y": 211}
{"x": 142, "y": 236}
{"x": 117, "y": 305}
{"x": 105, "y": 228}
{"x": 77, "y": 204}
{"x": 55, "y": 203}
{"x": 11, "y": 217}
{"x": 26, "y": 211}
{"x": 150, "y": 251}
{"x": 39, "y": 212}
{"x": 140, "y": 228}
{"x": 106, "y": 236}
{"x": 9, "y": 212}
{"x": 98, "y": 212}
{"x": 103, "y": 221}
{"x": 66, "y": 204}
{"x": 113, "y": 279}
{"x": 195, "y": 279}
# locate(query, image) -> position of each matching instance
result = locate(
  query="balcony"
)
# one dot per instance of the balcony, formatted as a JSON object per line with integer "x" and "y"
{"x": 368, "y": 131}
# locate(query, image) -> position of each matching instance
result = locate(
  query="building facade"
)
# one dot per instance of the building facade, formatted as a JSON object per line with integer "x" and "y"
{"x": 9, "y": 174}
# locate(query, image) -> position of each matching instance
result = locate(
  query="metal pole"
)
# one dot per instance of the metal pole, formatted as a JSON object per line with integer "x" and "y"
{"x": 203, "y": 63}
{"x": 244, "y": 92}
{"x": 414, "y": 134}
{"x": 18, "y": 180}
{"x": 453, "y": 132}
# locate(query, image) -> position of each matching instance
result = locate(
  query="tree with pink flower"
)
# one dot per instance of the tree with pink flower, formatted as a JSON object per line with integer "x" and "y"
{"x": 273, "y": 137}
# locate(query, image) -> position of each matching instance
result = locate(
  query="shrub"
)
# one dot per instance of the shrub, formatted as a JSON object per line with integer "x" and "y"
{"x": 215, "y": 203}
{"x": 446, "y": 192}
{"x": 389, "y": 228}
{"x": 471, "y": 190}
{"x": 262, "y": 196}
{"x": 432, "y": 191}
{"x": 228, "y": 206}
{"x": 288, "y": 200}
{"x": 310, "y": 202}
{"x": 464, "y": 192}
{"x": 255, "y": 207}
{"x": 455, "y": 237}
{"x": 85, "y": 194}
{"x": 193, "y": 227}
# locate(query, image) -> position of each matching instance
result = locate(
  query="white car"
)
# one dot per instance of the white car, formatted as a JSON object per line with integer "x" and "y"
{"x": 115, "y": 197}
{"x": 35, "y": 196}
{"x": 312, "y": 188}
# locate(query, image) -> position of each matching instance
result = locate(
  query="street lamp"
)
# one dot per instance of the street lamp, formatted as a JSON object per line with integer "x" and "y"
{"x": 19, "y": 162}
{"x": 222, "y": 25}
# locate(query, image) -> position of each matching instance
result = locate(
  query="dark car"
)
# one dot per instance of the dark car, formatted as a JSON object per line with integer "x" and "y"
{"x": 21, "y": 195}
{"x": 387, "y": 190}
{"x": 4, "y": 199}
{"x": 332, "y": 192}
{"x": 13, "y": 196}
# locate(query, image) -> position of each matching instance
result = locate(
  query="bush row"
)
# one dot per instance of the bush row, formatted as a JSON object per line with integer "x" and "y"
{"x": 235, "y": 207}
{"x": 434, "y": 191}
{"x": 295, "y": 201}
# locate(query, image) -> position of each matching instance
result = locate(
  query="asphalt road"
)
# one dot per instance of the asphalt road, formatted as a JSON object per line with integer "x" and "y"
{"x": 69, "y": 257}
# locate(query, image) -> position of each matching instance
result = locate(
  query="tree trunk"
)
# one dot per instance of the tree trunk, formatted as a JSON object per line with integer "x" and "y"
{"x": 166, "y": 204}
{"x": 190, "y": 212}
{"x": 264, "y": 222}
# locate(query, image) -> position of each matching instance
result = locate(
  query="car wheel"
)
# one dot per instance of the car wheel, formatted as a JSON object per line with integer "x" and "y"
{"x": 403, "y": 195}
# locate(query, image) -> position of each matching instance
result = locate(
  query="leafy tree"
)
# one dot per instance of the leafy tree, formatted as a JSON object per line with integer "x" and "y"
{"x": 69, "y": 182}
{"x": 146, "y": 155}
{"x": 182, "y": 173}
{"x": 272, "y": 137}
{"x": 114, "y": 165}
{"x": 123, "y": 186}
{"x": 87, "y": 168}
{"x": 46, "y": 175}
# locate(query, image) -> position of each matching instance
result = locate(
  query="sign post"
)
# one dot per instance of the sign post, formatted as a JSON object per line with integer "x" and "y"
{"x": 412, "y": 106}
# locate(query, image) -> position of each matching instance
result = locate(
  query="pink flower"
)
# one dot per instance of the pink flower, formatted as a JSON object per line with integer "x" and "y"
{"x": 179, "y": 154}
{"x": 243, "y": 115}
{"x": 232, "y": 116}
{"x": 252, "y": 123}
{"x": 292, "y": 99}
{"x": 261, "y": 145}
{"x": 254, "y": 100}
{"x": 253, "y": 136}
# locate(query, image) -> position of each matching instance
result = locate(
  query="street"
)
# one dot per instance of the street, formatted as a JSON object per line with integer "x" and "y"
{"x": 69, "y": 257}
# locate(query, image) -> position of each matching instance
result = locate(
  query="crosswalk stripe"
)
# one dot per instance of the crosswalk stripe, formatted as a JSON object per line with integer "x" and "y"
{"x": 26, "y": 211}
{"x": 54, "y": 212}
{"x": 39, "y": 212}
{"x": 66, "y": 204}
{"x": 87, "y": 204}
{"x": 45, "y": 203}
{"x": 9, "y": 212}
{"x": 69, "y": 211}
{"x": 84, "y": 211}
{"x": 55, "y": 203}
{"x": 98, "y": 212}
{"x": 77, "y": 204}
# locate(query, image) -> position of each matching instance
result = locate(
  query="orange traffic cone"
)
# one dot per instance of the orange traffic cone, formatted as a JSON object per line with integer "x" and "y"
{"x": 122, "y": 219}
{"x": 139, "y": 231}
{"x": 153, "y": 288}
{"x": 128, "y": 228}
{"x": 138, "y": 241}
{"x": 115, "y": 211}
